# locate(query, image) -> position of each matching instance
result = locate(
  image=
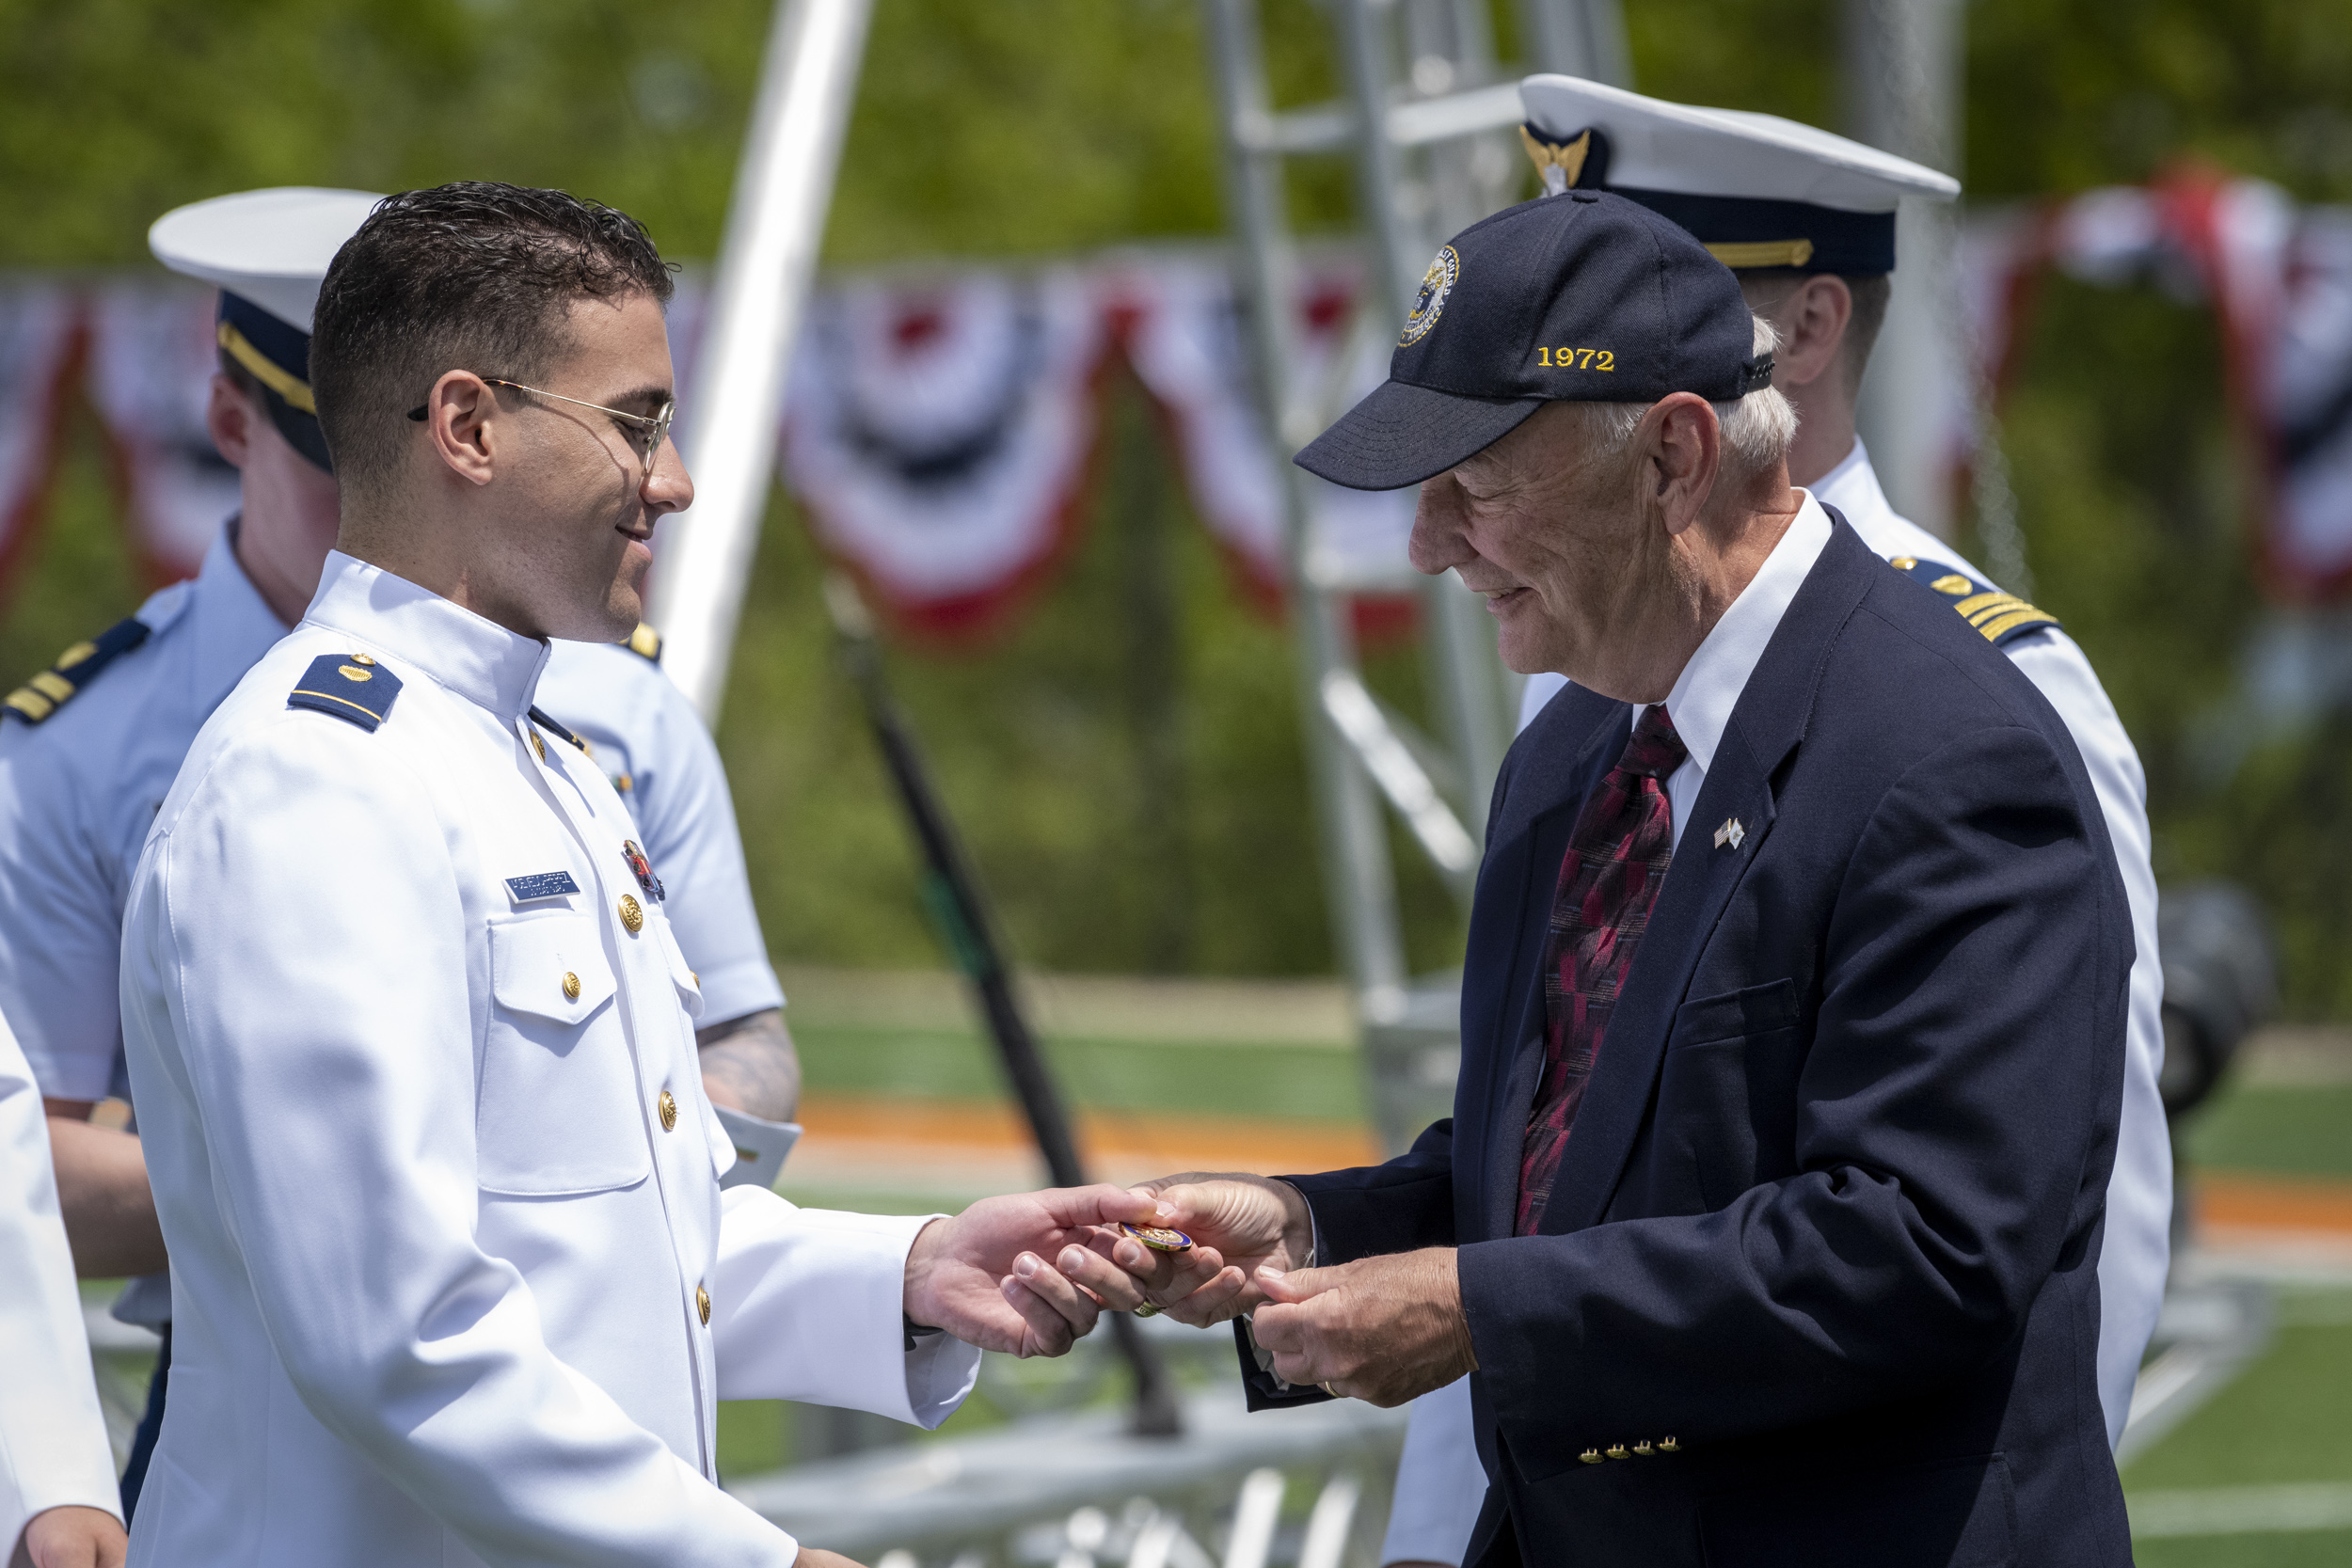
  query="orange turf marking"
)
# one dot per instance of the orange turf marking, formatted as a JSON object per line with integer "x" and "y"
{"x": 2273, "y": 1202}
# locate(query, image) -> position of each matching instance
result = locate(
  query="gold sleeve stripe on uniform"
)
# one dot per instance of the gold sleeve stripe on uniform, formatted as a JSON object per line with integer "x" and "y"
{"x": 267, "y": 371}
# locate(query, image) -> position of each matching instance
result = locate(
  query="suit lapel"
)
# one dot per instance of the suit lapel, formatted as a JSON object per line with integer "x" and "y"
{"x": 1519, "y": 877}
{"x": 1765, "y": 726}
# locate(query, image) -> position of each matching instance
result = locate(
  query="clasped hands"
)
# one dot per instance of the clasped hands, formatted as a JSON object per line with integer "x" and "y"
{"x": 1031, "y": 1274}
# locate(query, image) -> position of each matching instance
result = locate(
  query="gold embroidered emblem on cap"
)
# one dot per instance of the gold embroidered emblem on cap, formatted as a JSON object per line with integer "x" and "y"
{"x": 632, "y": 918}
{"x": 1567, "y": 156}
{"x": 1429, "y": 304}
{"x": 571, "y": 986}
{"x": 668, "y": 1107}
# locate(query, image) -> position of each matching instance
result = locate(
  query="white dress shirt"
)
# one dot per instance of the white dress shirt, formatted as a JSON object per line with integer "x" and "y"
{"x": 53, "y": 1440}
{"x": 1708, "y": 688}
{"x": 414, "y": 1054}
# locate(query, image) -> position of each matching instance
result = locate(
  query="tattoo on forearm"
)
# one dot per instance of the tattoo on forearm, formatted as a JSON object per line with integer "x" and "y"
{"x": 751, "y": 1061}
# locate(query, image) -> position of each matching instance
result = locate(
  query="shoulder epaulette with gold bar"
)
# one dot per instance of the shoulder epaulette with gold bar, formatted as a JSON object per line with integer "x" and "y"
{"x": 646, "y": 642}
{"x": 79, "y": 665}
{"x": 2002, "y": 617}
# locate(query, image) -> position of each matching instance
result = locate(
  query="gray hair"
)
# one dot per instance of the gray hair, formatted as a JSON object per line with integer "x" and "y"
{"x": 1758, "y": 429}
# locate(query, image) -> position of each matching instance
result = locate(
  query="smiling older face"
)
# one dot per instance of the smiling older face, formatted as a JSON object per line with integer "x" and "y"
{"x": 1575, "y": 564}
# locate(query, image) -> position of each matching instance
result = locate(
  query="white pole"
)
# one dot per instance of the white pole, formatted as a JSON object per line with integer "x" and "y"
{"x": 1903, "y": 64}
{"x": 775, "y": 222}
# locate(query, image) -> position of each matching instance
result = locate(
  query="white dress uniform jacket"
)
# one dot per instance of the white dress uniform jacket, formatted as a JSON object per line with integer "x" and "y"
{"x": 53, "y": 1440}
{"x": 1440, "y": 1482}
{"x": 413, "y": 1048}
{"x": 651, "y": 743}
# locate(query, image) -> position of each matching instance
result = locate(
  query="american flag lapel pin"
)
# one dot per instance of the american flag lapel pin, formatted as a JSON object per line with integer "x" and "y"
{"x": 1730, "y": 832}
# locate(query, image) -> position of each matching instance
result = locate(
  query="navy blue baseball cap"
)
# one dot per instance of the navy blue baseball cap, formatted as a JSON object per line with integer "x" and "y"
{"x": 1580, "y": 297}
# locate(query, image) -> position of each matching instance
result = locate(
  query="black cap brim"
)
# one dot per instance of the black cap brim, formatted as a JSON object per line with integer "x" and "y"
{"x": 1402, "y": 435}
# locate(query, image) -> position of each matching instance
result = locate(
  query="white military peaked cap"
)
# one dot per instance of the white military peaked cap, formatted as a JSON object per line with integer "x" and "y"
{"x": 267, "y": 253}
{"x": 270, "y": 247}
{"x": 1757, "y": 190}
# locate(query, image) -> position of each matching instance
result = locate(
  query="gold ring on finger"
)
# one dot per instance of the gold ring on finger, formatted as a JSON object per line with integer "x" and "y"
{"x": 1147, "y": 1311}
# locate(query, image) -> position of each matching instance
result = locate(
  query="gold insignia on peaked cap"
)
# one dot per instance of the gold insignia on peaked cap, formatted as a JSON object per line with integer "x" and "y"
{"x": 1562, "y": 160}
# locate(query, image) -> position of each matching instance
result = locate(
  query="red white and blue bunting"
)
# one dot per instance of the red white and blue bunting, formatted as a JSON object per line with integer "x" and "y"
{"x": 939, "y": 429}
{"x": 42, "y": 337}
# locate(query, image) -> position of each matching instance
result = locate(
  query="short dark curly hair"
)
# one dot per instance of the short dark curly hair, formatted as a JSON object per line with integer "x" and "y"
{"x": 472, "y": 276}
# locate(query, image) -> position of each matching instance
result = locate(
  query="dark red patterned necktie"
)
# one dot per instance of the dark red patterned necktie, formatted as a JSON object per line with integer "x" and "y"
{"x": 1608, "y": 883}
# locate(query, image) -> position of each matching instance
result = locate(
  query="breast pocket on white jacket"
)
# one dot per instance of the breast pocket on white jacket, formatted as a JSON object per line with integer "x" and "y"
{"x": 558, "y": 1109}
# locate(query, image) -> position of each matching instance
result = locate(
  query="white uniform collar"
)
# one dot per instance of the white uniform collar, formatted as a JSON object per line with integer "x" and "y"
{"x": 1709, "y": 685}
{"x": 1853, "y": 488}
{"x": 479, "y": 661}
{"x": 233, "y": 625}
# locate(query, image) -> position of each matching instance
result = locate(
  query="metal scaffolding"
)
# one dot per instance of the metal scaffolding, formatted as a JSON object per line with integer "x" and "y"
{"x": 1428, "y": 118}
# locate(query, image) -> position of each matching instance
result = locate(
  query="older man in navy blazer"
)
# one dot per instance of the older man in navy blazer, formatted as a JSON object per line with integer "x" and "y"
{"x": 1767, "y": 1220}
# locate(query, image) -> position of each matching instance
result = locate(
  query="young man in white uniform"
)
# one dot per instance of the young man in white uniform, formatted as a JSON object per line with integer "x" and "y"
{"x": 57, "y": 1501}
{"x": 411, "y": 1039}
{"x": 1807, "y": 221}
{"x": 84, "y": 764}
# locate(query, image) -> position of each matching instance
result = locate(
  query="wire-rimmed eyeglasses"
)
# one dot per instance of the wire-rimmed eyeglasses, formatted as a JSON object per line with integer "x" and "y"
{"x": 651, "y": 429}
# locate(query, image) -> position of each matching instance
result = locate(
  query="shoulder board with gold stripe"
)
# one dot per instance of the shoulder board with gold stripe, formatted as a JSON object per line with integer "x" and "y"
{"x": 646, "y": 642}
{"x": 76, "y": 668}
{"x": 2002, "y": 617}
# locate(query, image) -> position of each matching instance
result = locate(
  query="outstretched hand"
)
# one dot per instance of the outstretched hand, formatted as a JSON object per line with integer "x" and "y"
{"x": 1238, "y": 1224}
{"x": 982, "y": 1275}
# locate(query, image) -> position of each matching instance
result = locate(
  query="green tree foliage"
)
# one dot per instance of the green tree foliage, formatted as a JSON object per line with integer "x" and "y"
{"x": 1125, "y": 761}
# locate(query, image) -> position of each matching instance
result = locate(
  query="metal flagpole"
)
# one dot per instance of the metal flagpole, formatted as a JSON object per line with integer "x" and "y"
{"x": 775, "y": 222}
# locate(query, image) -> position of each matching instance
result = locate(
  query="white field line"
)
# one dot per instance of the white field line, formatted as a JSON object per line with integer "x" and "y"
{"x": 2241, "y": 1510}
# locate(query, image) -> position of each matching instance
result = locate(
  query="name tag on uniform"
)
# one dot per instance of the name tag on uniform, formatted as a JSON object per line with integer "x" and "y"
{"x": 542, "y": 884}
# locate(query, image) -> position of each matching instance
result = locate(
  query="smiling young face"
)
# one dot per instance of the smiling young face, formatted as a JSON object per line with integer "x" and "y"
{"x": 552, "y": 506}
{"x": 577, "y": 504}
